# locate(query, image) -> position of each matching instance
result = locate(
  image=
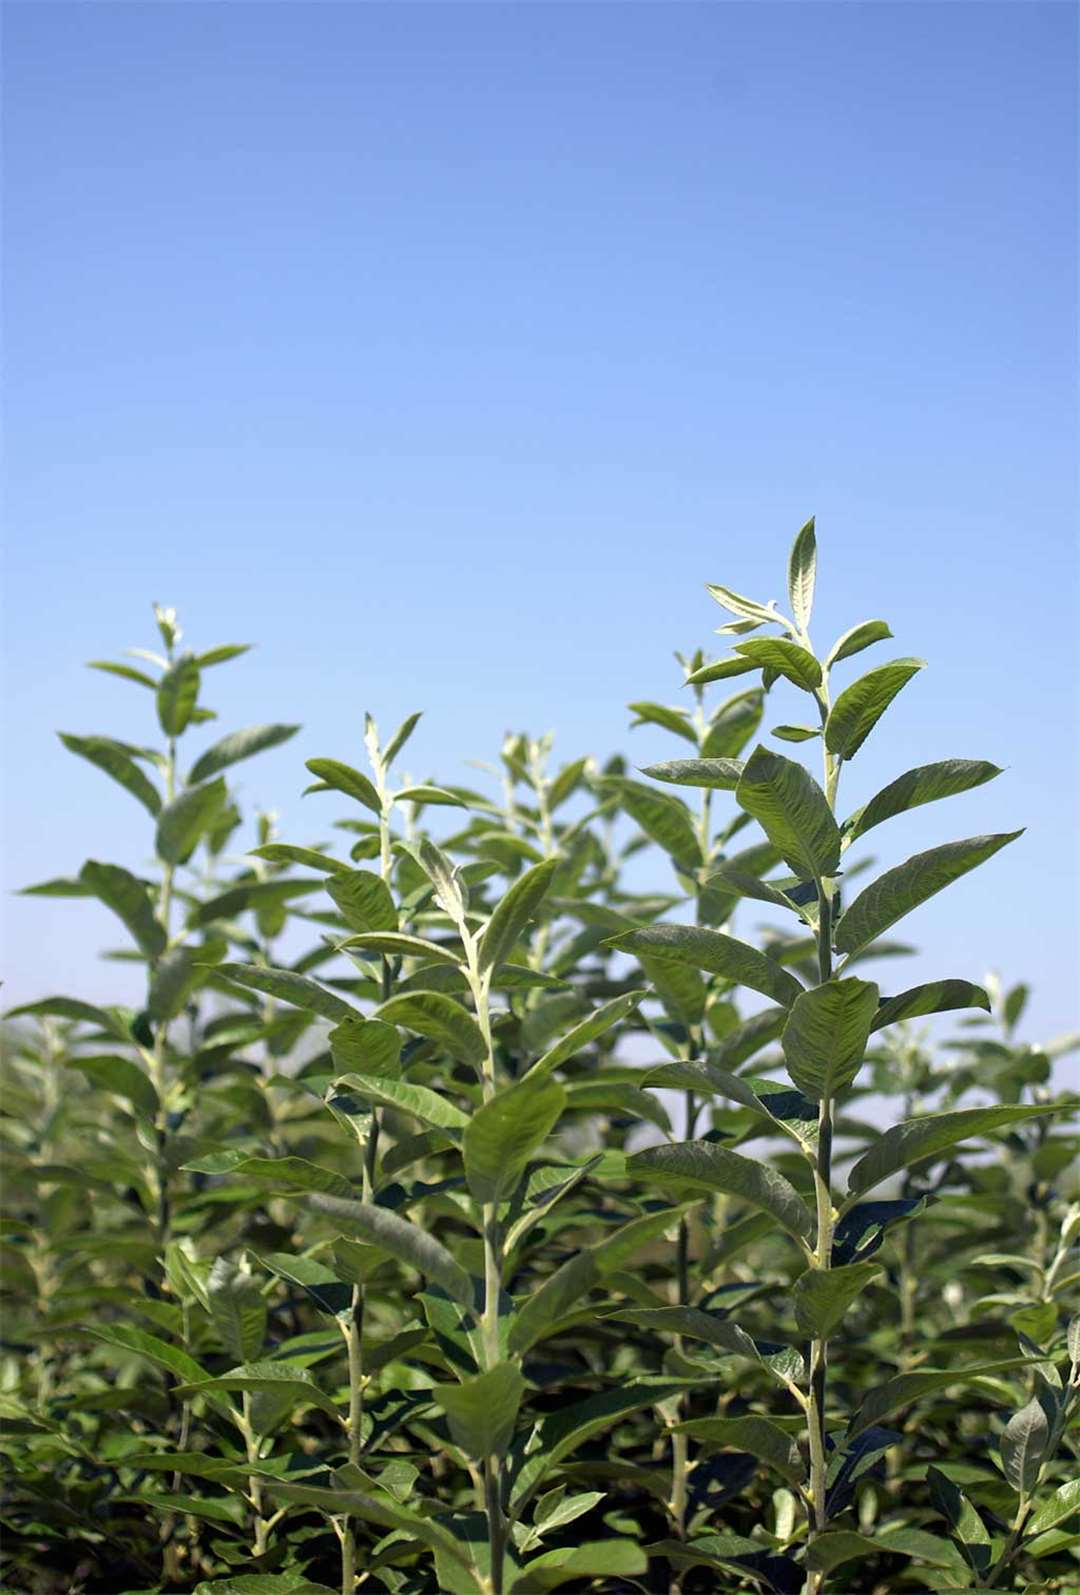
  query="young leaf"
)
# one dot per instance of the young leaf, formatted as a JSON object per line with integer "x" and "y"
{"x": 367, "y": 1045}
{"x": 719, "y": 774}
{"x": 859, "y": 707}
{"x": 239, "y": 745}
{"x": 855, "y": 640}
{"x": 785, "y": 657}
{"x": 733, "y": 724}
{"x": 755, "y": 1435}
{"x": 176, "y": 694}
{"x": 449, "y": 890}
{"x": 128, "y": 898}
{"x": 926, "y": 784}
{"x": 721, "y": 670}
{"x": 115, "y": 760}
{"x": 894, "y": 894}
{"x": 503, "y": 1134}
{"x": 1064, "y": 1503}
{"x": 662, "y": 816}
{"x": 825, "y": 1037}
{"x": 482, "y": 1410}
{"x": 793, "y": 812}
{"x": 123, "y": 1077}
{"x": 702, "y": 1165}
{"x": 822, "y": 1296}
{"x": 714, "y": 951}
{"x": 363, "y": 899}
{"x": 396, "y": 944}
{"x": 405, "y": 1241}
{"x": 441, "y": 1019}
{"x": 399, "y": 739}
{"x": 606, "y": 1559}
{"x": 343, "y": 778}
{"x": 802, "y": 573}
{"x": 916, "y": 1139}
{"x": 513, "y": 913}
{"x": 126, "y": 672}
{"x": 796, "y": 733}
{"x": 183, "y": 822}
{"x": 736, "y": 604}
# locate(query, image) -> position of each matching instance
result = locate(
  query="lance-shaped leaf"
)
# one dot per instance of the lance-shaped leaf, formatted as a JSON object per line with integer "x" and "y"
{"x": 185, "y": 821}
{"x": 597, "y": 1024}
{"x": 721, "y": 670}
{"x": 1024, "y": 1444}
{"x": 802, "y": 573}
{"x": 280, "y": 1379}
{"x": 718, "y": 774}
{"x": 449, "y": 887}
{"x": 179, "y": 972}
{"x": 325, "y": 1288}
{"x": 728, "y": 878}
{"x": 714, "y": 951}
{"x": 705, "y": 1166}
{"x": 289, "y": 987}
{"x": 757, "y": 1436}
{"x": 733, "y": 724}
{"x": 116, "y": 760}
{"x": 483, "y": 1409}
{"x": 363, "y": 900}
{"x": 310, "y": 857}
{"x": 926, "y": 784}
{"x": 177, "y": 692}
{"x": 859, "y": 707}
{"x": 676, "y": 720}
{"x": 503, "y": 1134}
{"x": 369, "y": 1046}
{"x": 793, "y": 812}
{"x": 239, "y": 745}
{"x": 586, "y": 1268}
{"x": 907, "y": 1388}
{"x": 1064, "y": 1503}
{"x": 237, "y": 1308}
{"x": 127, "y": 1338}
{"x": 855, "y": 640}
{"x": 929, "y": 1136}
{"x": 338, "y": 777}
{"x": 937, "y": 996}
{"x": 419, "y": 1100}
{"x": 397, "y": 944}
{"x": 129, "y": 900}
{"x": 286, "y": 1174}
{"x": 513, "y": 913}
{"x": 899, "y": 890}
{"x": 405, "y": 1241}
{"x": 441, "y": 1019}
{"x": 823, "y": 1295}
{"x": 825, "y": 1037}
{"x": 121, "y": 1076}
{"x": 736, "y": 604}
{"x": 662, "y": 816}
{"x": 375, "y": 1507}
{"x": 125, "y": 672}
{"x": 606, "y": 1559}
{"x": 962, "y": 1517}
{"x": 787, "y": 658}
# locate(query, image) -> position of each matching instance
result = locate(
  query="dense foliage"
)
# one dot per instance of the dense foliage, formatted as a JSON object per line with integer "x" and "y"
{"x": 454, "y": 1217}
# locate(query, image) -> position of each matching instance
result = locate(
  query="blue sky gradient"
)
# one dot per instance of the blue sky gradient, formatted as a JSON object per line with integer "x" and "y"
{"x": 447, "y": 351}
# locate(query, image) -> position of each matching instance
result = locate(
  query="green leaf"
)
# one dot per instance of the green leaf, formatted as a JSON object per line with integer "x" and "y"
{"x": 373, "y": 1507}
{"x": 289, "y": 987}
{"x": 239, "y": 745}
{"x": 793, "y": 812}
{"x": 736, "y": 604}
{"x": 513, "y": 913}
{"x": 926, "y": 784}
{"x": 907, "y": 1388}
{"x": 796, "y": 733}
{"x": 785, "y": 657}
{"x": 899, "y": 890}
{"x": 859, "y": 707}
{"x": 606, "y": 1559}
{"x": 281, "y": 1379}
{"x": 179, "y": 972}
{"x": 675, "y": 720}
{"x": 703, "y": 1165}
{"x": 1064, "y": 1503}
{"x": 962, "y": 1517}
{"x": 597, "y": 1024}
{"x": 285, "y": 1174}
{"x": 1023, "y": 1446}
{"x": 405, "y": 1241}
{"x": 503, "y": 1134}
{"x": 717, "y": 774}
{"x": 123, "y": 1077}
{"x": 823, "y": 1295}
{"x": 441, "y": 1019}
{"x": 802, "y": 573}
{"x": 327, "y": 1291}
{"x": 727, "y": 878}
{"x": 184, "y": 822}
{"x": 367, "y": 1045}
{"x": 720, "y": 670}
{"x": 399, "y": 739}
{"x": 284, "y": 853}
{"x": 714, "y": 951}
{"x": 825, "y": 1037}
{"x": 419, "y": 1100}
{"x": 733, "y": 724}
{"x": 839, "y": 1546}
{"x": 752, "y": 1434}
{"x": 237, "y": 1308}
{"x": 929, "y": 1136}
{"x": 343, "y": 778}
{"x": 662, "y": 816}
{"x": 126, "y": 672}
{"x": 363, "y": 899}
{"x": 855, "y": 640}
{"x": 450, "y": 893}
{"x": 115, "y": 760}
{"x": 177, "y": 692}
{"x": 482, "y": 1410}
{"x": 937, "y": 996}
{"x": 155, "y": 1350}
{"x": 129, "y": 900}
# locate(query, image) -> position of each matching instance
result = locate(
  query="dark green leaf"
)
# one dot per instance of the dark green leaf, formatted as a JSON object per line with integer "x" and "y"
{"x": 825, "y": 1037}
{"x": 239, "y": 745}
{"x": 504, "y": 1133}
{"x": 926, "y": 784}
{"x": 115, "y": 760}
{"x": 513, "y": 913}
{"x": 482, "y": 1410}
{"x": 785, "y": 657}
{"x": 916, "y": 1139}
{"x": 937, "y": 996}
{"x": 793, "y": 812}
{"x": 894, "y": 894}
{"x": 823, "y": 1295}
{"x": 719, "y": 774}
{"x": 343, "y": 778}
{"x": 183, "y": 822}
{"x": 128, "y": 898}
{"x": 176, "y": 694}
{"x": 703, "y": 1165}
{"x": 441, "y": 1019}
{"x": 405, "y": 1241}
{"x": 859, "y": 707}
{"x": 289, "y": 987}
{"x": 714, "y": 951}
{"x": 363, "y": 900}
{"x": 855, "y": 640}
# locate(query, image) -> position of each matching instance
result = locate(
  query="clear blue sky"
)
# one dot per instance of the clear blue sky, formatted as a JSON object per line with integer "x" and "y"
{"x": 446, "y": 351}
